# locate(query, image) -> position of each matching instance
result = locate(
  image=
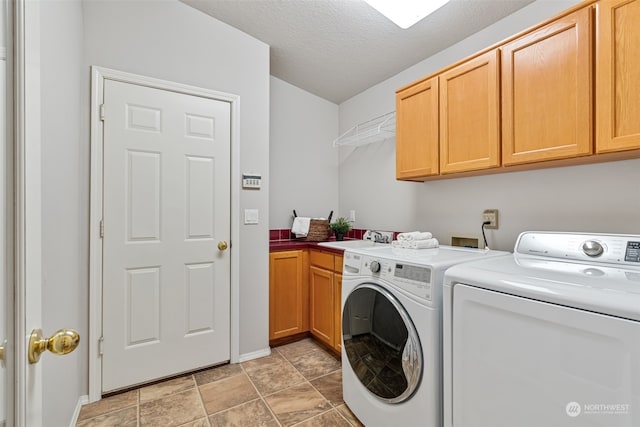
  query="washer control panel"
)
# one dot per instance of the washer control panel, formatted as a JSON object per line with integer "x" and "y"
{"x": 592, "y": 248}
{"x": 412, "y": 273}
{"x": 415, "y": 279}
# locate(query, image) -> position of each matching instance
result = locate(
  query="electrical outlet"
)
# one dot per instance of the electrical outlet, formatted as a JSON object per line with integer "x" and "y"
{"x": 491, "y": 216}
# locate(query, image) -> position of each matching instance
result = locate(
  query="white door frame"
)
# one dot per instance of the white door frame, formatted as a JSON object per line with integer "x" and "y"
{"x": 26, "y": 220}
{"x": 98, "y": 76}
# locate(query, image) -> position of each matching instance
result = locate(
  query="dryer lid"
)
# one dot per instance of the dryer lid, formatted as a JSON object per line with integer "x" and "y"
{"x": 602, "y": 288}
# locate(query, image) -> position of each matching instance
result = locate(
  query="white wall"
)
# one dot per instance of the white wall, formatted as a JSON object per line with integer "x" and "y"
{"x": 172, "y": 41}
{"x": 303, "y": 162}
{"x": 167, "y": 40}
{"x": 65, "y": 209}
{"x": 587, "y": 198}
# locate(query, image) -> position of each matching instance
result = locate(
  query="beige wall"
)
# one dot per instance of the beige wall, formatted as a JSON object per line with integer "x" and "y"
{"x": 65, "y": 203}
{"x": 167, "y": 40}
{"x": 172, "y": 41}
{"x": 303, "y": 162}
{"x": 596, "y": 198}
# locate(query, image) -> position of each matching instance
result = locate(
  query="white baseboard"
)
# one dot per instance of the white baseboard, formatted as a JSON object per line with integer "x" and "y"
{"x": 255, "y": 354}
{"x": 82, "y": 400}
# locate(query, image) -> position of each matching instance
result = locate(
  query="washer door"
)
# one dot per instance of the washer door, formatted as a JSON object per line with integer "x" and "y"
{"x": 381, "y": 343}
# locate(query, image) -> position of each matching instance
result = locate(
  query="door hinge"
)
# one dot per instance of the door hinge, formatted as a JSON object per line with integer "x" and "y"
{"x": 101, "y": 346}
{"x": 101, "y": 228}
{"x": 102, "y": 112}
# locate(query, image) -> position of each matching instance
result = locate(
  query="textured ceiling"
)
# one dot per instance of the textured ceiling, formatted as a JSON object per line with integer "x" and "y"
{"x": 338, "y": 48}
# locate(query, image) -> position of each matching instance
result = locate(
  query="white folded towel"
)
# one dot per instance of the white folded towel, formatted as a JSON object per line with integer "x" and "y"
{"x": 300, "y": 226}
{"x": 415, "y": 235}
{"x": 424, "y": 244}
{"x": 416, "y": 244}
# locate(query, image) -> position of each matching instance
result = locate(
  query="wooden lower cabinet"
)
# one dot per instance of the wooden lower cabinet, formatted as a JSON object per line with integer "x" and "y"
{"x": 325, "y": 294}
{"x": 305, "y": 292}
{"x": 338, "y": 311}
{"x": 288, "y": 293}
{"x": 321, "y": 301}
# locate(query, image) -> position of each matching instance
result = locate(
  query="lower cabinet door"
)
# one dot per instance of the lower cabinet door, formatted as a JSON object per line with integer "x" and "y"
{"x": 337, "y": 309}
{"x": 321, "y": 299}
{"x": 287, "y": 294}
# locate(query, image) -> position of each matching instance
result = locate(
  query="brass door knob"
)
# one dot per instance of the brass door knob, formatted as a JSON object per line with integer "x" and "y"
{"x": 222, "y": 245}
{"x": 62, "y": 342}
{"x": 2, "y": 347}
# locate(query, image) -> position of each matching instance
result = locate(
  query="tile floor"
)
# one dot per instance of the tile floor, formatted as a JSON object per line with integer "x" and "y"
{"x": 298, "y": 384}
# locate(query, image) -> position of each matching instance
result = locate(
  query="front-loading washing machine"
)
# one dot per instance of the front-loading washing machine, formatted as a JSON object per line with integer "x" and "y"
{"x": 391, "y": 331}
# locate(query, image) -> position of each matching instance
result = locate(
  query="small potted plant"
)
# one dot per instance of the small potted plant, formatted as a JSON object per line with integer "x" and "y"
{"x": 340, "y": 227}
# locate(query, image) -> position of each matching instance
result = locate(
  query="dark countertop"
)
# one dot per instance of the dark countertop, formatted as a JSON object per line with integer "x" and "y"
{"x": 292, "y": 245}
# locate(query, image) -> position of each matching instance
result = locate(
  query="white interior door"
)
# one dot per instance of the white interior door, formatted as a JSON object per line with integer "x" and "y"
{"x": 166, "y": 283}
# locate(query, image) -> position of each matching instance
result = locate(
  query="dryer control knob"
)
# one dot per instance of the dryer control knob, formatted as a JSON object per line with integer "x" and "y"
{"x": 592, "y": 248}
{"x": 374, "y": 266}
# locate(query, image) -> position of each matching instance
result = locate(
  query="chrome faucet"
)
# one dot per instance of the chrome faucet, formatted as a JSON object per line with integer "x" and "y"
{"x": 379, "y": 237}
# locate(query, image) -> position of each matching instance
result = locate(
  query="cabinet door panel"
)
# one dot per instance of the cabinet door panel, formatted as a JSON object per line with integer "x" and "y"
{"x": 618, "y": 75}
{"x": 337, "y": 266}
{"x": 287, "y": 302}
{"x": 470, "y": 115}
{"x": 338, "y": 312}
{"x": 321, "y": 259}
{"x": 547, "y": 92}
{"x": 417, "y": 130}
{"x": 321, "y": 322}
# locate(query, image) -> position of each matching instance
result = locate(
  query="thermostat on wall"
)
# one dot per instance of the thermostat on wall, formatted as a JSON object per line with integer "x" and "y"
{"x": 251, "y": 180}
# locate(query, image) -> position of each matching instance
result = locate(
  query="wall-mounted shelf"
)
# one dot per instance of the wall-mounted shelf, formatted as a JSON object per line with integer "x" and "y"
{"x": 374, "y": 130}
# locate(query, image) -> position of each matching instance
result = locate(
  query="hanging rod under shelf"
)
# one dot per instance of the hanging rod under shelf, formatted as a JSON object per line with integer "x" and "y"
{"x": 374, "y": 130}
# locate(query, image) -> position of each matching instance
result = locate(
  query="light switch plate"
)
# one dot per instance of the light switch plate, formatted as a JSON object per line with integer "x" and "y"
{"x": 251, "y": 216}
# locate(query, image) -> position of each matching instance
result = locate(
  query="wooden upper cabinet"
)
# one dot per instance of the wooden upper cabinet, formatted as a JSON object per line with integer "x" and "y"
{"x": 547, "y": 91}
{"x": 417, "y": 130}
{"x": 470, "y": 115}
{"x": 618, "y": 75}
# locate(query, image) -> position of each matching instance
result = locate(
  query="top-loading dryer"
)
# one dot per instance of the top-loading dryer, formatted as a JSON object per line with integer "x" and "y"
{"x": 549, "y": 336}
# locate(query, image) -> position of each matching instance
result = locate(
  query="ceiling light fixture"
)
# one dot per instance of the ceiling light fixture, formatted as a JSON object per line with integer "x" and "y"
{"x": 405, "y": 13}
